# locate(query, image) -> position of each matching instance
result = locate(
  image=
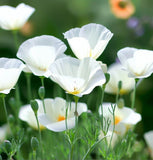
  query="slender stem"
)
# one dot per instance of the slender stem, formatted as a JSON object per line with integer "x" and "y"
{"x": 39, "y": 136}
{"x": 101, "y": 106}
{"x": 67, "y": 105}
{"x": 15, "y": 39}
{"x": 113, "y": 108}
{"x": 71, "y": 151}
{"x": 134, "y": 94}
{"x": 42, "y": 83}
{"x": 76, "y": 112}
{"x": 28, "y": 78}
{"x": 4, "y": 104}
{"x": 17, "y": 92}
{"x": 34, "y": 155}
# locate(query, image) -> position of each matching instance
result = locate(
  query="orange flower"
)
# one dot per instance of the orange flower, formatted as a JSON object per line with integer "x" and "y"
{"x": 122, "y": 8}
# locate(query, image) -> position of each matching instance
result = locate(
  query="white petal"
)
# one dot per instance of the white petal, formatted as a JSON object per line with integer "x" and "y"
{"x": 10, "y": 70}
{"x": 93, "y": 75}
{"x": 80, "y": 47}
{"x": 26, "y": 114}
{"x": 75, "y": 75}
{"x": 14, "y": 18}
{"x": 96, "y": 36}
{"x": 149, "y": 140}
{"x": 40, "y": 52}
{"x": 116, "y": 75}
{"x": 138, "y": 62}
{"x": 57, "y": 107}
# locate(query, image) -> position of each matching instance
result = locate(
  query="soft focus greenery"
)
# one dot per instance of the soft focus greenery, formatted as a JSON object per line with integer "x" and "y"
{"x": 54, "y": 17}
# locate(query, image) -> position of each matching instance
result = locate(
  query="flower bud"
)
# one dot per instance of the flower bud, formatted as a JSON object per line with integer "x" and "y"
{"x": 120, "y": 103}
{"x": 41, "y": 92}
{"x": 8, "y": 146}
{"x": 34, "y": 106}
{"x": 34, "y": 143}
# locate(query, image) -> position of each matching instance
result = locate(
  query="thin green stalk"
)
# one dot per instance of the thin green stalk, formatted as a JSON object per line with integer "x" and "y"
{"x": 42, "y": 83}
{"x": 113, "y": 108}
{"x": 17, "y": 92}
{"x": 101, "y": 106}
{"x": 34, "y": 155}
{"x": 4, "y": 104}
{"x": 40, "y": 139}
{"x": 71, "y": 151}
{"x": 76, "y": 112}
{"x": 28, "y": 78}
{"x": 134, "y": 94}
{"x": 67, "y": 105}
{"x": 15, "y": 39}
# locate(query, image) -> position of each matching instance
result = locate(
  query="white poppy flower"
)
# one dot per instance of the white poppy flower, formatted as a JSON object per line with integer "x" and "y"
{"x": 118, "y": 74}
{"x": 89, "y": 40}
{"x": 40, "y": 52}
{"x": 26, "y": 114}
{"x": 54, "y": 119}
{"x": 149, "y": 140}
{"x": 10, "y": 70}
{"x": 125, "y": 118}
{"x": 77, "y": 77}
{"x": 3, "y": 132}
{"x": 138, "y": 62}
{"x": 14, "y": 18}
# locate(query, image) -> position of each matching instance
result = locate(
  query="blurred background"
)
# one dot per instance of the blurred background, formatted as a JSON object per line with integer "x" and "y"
{"x": 54, "y": 17}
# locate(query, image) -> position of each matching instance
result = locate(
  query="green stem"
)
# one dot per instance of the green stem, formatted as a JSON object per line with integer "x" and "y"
{"x": 134, "y": 94}
{"x": 15, "y": 39}
{"x": 67, "y": 105}
{"x": 42, "y": 83}
{"x": 76, "y": 112}
{"x": 34, "y": 155}
{"x": 101, "y": 106}
{"x": 113, "y": 108}
{"x": 4, "y": 104}
{"x": 40, "y": 139}
{"x": 71, "y": 152}
{"x": 17, "y": 92}
{"x": 28, "y": 78}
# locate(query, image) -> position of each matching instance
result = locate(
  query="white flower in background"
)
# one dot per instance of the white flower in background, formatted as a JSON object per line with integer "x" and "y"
{"x": 148, "y": 136}
{"x": 118, "y": 74}
{"x": 77, "y": 77}
{"x": 3, "y": 132}
{"x": 108, "y": 138}
{"x": 125, "y": 118}
{"x": 89, "y": 40}
{"x": 55, "y": 119}
{"x": 10, "y": 69}
{"x": 26, "y": 114}
{"x": 137, "y": 62}
{"x": 14, "y": 18}
{"x": 40, "y": 52}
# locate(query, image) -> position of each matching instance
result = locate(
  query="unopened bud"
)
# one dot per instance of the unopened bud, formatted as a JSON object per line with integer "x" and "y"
{"x": 41, "y": 92}
{"x": 34, "y": 143}
{"x": 120, "y": 103}
{"x": 8, "y": 146}
{"x": 34, "y": 106}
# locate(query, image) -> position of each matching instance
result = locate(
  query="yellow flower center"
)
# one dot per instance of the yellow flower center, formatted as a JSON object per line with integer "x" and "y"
{"x": 75, "y": 91}
{"x": 60, "y": 118}
{"x": 90, "y": 54}
{"x": 117, "y": 119}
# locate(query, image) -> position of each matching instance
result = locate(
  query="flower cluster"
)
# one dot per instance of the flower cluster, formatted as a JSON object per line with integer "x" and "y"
{"x": 44, "y": 56}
